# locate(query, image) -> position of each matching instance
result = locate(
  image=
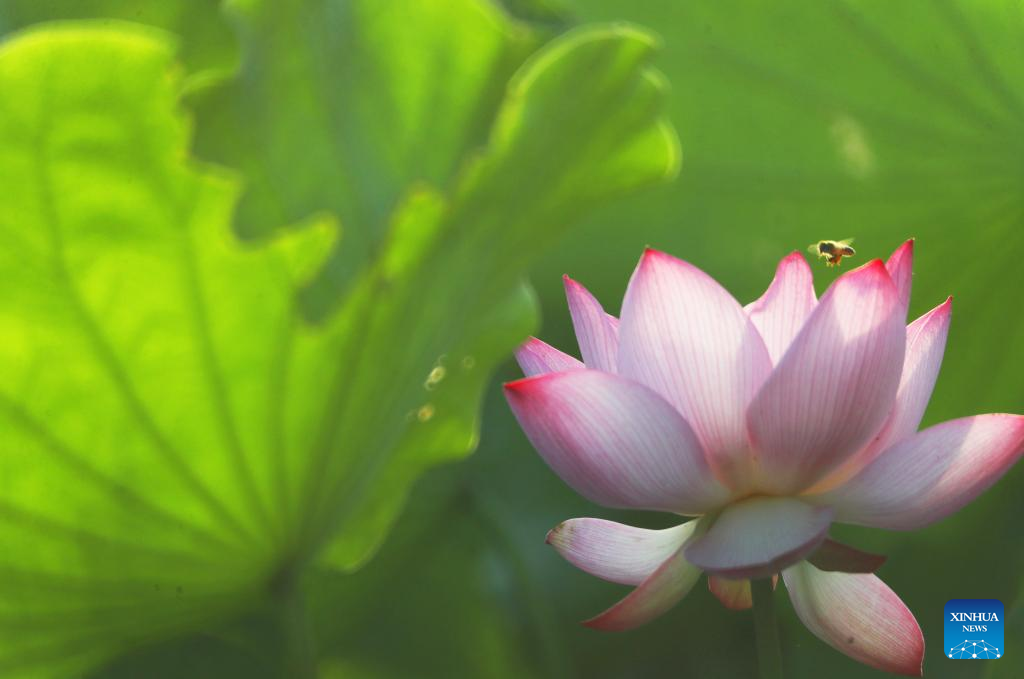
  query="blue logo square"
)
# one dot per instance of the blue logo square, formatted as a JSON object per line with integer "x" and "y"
{"x": 974, "y": 629}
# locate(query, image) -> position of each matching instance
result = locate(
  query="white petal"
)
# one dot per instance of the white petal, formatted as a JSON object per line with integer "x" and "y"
{"x": 760, "y": 536}
{"x": 614, "y": 551}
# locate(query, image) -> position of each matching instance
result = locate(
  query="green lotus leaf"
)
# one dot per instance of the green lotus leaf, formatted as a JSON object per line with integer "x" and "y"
{"x": 179, "y": 442}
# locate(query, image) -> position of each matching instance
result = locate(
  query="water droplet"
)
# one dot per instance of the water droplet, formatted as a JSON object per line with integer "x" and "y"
{"x": 468, "y": 362}
{"x": 435, "y": 376}
{"x": 425, "y": 412}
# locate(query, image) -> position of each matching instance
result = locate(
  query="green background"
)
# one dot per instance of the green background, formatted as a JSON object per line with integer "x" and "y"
{"x": 797, "y": 121}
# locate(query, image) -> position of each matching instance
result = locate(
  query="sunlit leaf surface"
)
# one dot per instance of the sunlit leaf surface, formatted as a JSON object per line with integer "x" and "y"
{"x": 206, "y": 44}
{"x": 179, "y": 442}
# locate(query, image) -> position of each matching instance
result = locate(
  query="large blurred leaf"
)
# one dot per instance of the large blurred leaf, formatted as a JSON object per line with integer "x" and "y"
{"x": 341, "y": 104}
{"x": 138, "y": 388}
{"x": 463, "y": 575}
{"x": 207, "y": 46}
{"x": 553, "y": 150}
{"x": 178, "y": 442}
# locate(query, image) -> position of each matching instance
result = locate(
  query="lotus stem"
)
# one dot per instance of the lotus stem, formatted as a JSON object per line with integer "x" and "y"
{"x": 766, "y": 630}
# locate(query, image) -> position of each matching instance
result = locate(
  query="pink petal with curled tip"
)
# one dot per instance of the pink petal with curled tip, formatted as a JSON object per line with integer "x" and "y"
{"x": 536, "y": 358}
{"x": 616, "y": 552}
{"x": 785, "y": 306}
{"x": 930, "y": 475}
{"x": 615, "y": 442}
{"x": 834, "y": 387}
{"x": 596, "y": 332}
{"x": 684, "y": 336}
{"x": 857, "y": 614}
{"x": 760, "y": 536}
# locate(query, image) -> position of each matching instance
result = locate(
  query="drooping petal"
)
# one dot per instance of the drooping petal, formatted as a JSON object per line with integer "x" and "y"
{"x": 785, "y": 306}
{"x": 857, "y": 614}
{"x": 926, "y": 344}
{"x": 672, "y": 580}
{"x": 834, "y": 556}
{"x": 758, "y": 537}
{"x": 735, "y": 595}
{"x": 900, "y": 266}
{"x": 615, "y": 441}
{"x": 930, "y": 475}
{"x": 614, "y": 551}
{"x": 536, "y": 358}
{"x": 596, "y": 331}
{"x": 836, "y": 384}
{"x": 685, "y": 337}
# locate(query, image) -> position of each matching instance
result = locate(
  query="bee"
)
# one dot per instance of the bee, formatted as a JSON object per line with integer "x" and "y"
{"x": 832, "y": 251}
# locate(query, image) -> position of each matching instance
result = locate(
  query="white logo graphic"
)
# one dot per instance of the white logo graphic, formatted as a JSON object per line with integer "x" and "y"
{"x": 974, "y": 649}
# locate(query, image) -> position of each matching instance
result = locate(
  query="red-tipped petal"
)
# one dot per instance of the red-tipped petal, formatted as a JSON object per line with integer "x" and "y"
{"x": 596, "y": 332}
{"x": 900, "y": 266}
{"x": 684, "y": 336}
{"x": 785, "y": 306}
{"x": 615, "y": 441}
{"x": 835, "y": 386}
{"x": 930, "y": 475}
{"x": 758, "y": 537}
{"x": 857, "y": 614}
{"x": 614, "y": 551}
{"x": 654, "y": 597}
{"x": 537, "y": 358}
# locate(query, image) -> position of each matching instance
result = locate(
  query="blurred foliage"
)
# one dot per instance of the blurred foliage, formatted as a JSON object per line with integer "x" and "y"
{"x": 340, "y": 106}
{"x": 800, "y": 121}
{"x": 207, "y": 46}
{"x": 180, "y": 441}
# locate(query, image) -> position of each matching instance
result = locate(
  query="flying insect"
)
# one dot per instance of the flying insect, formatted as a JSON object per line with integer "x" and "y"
{"x": 833, "y": 251}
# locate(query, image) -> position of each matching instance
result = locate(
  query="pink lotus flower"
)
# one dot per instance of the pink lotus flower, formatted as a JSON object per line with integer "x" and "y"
{"x": 768, "y": 422}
